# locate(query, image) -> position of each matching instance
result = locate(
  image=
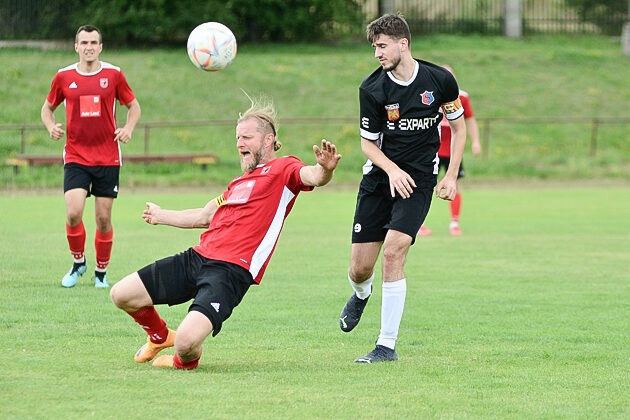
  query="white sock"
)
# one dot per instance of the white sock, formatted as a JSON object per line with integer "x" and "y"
{"x": 80, "y": 260}
{"x": 392, "y": 306}
{"x": 454, "y": 224}
{"x": 362, "y": 290}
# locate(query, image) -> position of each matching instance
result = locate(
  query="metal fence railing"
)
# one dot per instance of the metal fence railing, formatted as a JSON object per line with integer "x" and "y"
{"x": 485, "y": 126}
{"x": 487, "y": 16}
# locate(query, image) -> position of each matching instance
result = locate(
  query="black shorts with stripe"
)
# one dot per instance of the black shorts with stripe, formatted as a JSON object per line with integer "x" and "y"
{"x": 377, "y": 211}
{"x": 100, "y": 181}
{"x": 217, "y": 287}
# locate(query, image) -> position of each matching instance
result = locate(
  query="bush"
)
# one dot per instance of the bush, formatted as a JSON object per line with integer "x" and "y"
{"x": 150, "y": 22}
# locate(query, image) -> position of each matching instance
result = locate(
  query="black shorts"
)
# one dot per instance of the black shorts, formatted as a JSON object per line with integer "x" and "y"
{"x": 377, "y": 212}
{"x": 101, "y": 181}
{"x": 217, "y": 287}
{"x": 445, "y": 161}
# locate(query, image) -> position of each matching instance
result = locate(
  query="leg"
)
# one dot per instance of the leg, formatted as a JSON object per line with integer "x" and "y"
{"x": 360, "y": 275}
{"x": 75, "y": 203}
{"x": 456, "y": 206}
{"x": 103, "y": 238}
{"x": 394, "y": 255}
{"x": 131, "y": 296}
{"x": 75, "y": 233}
{"x": 363, "y": 257}
{"x": 190, "y": 336}
{"x": 393, "y": 299}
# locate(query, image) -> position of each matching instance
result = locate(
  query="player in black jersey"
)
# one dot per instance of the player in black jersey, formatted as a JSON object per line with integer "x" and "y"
{"x": 399, "y": 105}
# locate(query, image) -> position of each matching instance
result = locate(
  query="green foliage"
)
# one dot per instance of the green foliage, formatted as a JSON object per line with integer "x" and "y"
{"x": 163, "y": 22}
{"x": 608, "y": 15}
{"x": 525, "y": 316}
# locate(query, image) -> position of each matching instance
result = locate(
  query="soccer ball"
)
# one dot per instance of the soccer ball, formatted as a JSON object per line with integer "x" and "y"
{"x": 211, "y": 46}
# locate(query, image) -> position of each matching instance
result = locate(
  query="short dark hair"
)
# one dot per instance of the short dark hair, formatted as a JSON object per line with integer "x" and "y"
{"x": 390, "y": 25}
{"x": 88, "y": 28}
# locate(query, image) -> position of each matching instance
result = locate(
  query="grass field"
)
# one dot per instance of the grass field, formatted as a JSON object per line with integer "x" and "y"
{"x": 557, "y": 76}
{"x": 524, "y": 316}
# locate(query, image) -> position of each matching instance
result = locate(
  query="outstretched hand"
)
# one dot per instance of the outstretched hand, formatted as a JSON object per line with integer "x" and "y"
{"x": 327, "y": 156}
{"x": 150, "y": 214}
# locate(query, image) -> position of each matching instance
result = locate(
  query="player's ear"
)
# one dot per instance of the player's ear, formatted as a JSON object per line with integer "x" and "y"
{"x": 269, "y": 139}
{"x": 404, "y": 44}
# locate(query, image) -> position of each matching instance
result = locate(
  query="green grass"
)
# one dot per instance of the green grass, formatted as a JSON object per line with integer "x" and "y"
{"x": 582, "y": 76}
{"x": 524, "y": 316}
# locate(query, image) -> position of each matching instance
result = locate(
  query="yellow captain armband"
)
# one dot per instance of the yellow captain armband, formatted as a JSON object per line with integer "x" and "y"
{"x": 220, "y": 200}
{"x": 453, "y": 109}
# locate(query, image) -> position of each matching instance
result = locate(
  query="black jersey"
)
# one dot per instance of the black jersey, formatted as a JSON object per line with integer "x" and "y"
{"x": 403, "y": 117}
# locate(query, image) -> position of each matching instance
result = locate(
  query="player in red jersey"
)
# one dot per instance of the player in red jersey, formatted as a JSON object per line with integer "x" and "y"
{"x": 89, "y": 89}
{"x": 242, "y": 228}
{"x": 444, "y": 154}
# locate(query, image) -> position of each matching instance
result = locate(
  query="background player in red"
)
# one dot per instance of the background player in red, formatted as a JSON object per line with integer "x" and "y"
{"x": 444, "y": 154}
{"x": 243, "y": 225}
{"x": 92, "y": 158}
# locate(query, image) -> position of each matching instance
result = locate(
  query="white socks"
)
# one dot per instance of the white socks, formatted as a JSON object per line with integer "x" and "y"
{"x": 392, "y": 306}
{"x": 362, "y": 290}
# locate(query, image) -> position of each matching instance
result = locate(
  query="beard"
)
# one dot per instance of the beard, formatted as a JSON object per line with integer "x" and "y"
{"x": 394, "y": 62}
{"x": 249, "y": 166}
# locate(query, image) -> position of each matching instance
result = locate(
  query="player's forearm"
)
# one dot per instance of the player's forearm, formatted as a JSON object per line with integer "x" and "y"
{"x": 458, "y": 144}
{"x": 185, "y": 219}
{"x": 133, "y": 115}
{"x": 376, "y": 155}
{"x": 473, "y": 130}
{"x": 316, "y": 175}
{"x": 48, "y": 118}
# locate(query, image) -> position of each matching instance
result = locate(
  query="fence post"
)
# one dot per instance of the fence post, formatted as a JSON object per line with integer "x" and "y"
{"x": 513, "y": 25}
{"x": 485, "y": 139}
{"x": 22, "y": 140}
{"x": 594, "y": 129}
{"x": 147, "y": 130}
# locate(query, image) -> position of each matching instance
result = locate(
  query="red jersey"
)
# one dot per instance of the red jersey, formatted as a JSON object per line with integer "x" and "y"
{"x": 247, "y": 224}
{"x": 445, "y": 129}
{"x": 90, "y": 100}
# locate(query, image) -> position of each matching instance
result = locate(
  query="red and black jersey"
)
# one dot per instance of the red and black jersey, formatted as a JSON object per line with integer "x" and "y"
{"x": 403, "y": 116}
{"x": 247, "y": 224}
{"x": 445, "y": 128}
{"x": 90, "y": 100}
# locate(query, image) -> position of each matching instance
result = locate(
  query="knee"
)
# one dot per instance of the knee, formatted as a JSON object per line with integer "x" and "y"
{"x": 393, "y": 258}
{"x": 103, "y": 223}
{"x": 360, "y": 272}
{"x": 186, "y": 346}
{"x": 117, "y": 296}
{"x": 74, "y": 217}
{"x": 121, "y": 296}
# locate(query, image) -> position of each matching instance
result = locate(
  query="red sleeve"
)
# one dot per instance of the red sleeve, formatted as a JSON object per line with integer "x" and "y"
{"x": 468, "y": 111}
{"x": 292, "y": 174}
{"x": 55, "y": 96}
{"x": 123, "y": 91}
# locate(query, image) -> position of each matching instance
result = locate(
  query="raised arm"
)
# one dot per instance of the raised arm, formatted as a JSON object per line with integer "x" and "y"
{"x": 185, "y": 219}
{"x": 322, "y": 172}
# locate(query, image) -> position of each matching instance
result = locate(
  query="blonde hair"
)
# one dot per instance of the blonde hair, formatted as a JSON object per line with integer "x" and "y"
{"x": 263, "y": 111}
